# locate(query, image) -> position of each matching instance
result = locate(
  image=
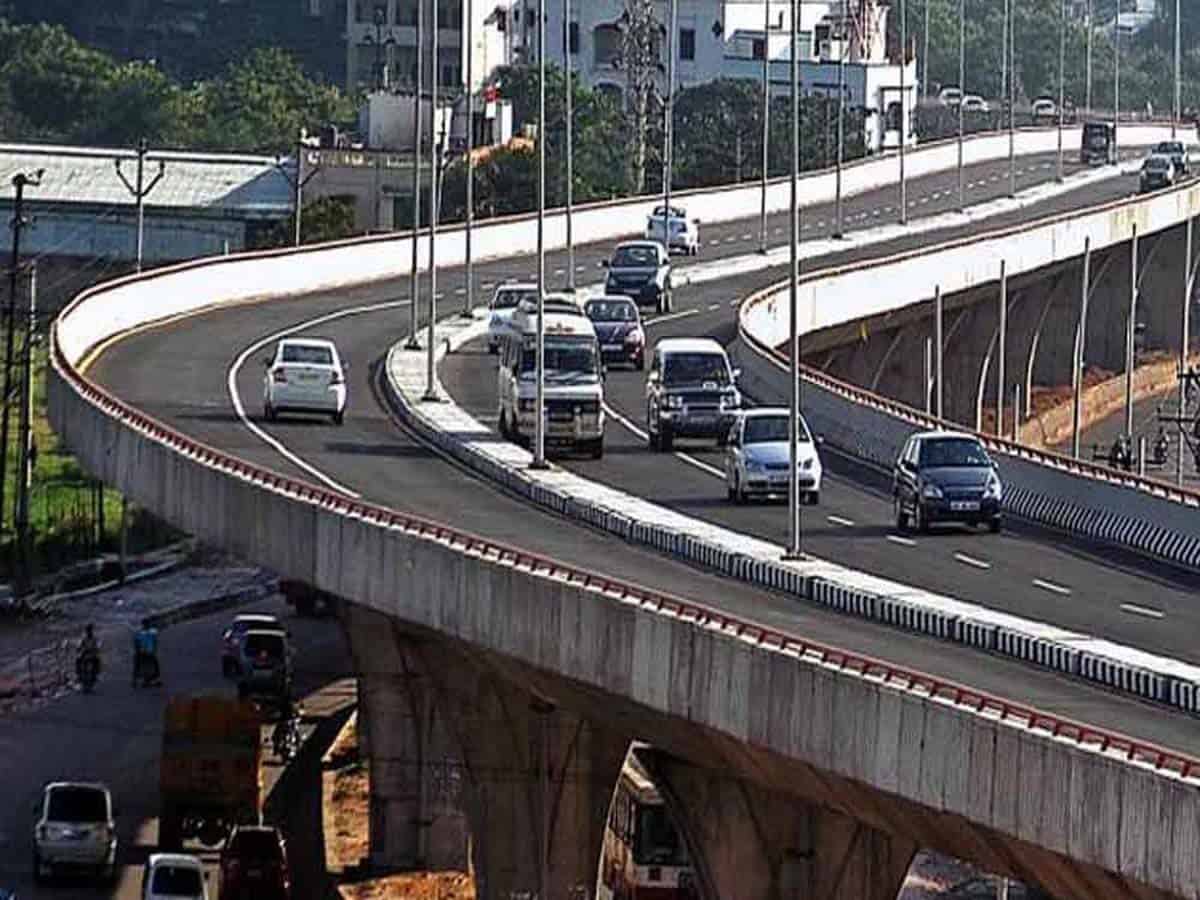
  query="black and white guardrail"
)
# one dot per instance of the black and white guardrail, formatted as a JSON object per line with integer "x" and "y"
{"x": 457, "y": 433}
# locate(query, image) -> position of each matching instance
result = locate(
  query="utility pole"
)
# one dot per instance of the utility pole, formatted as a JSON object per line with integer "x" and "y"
{"x": 1010, "y": 11}
{"x": 1176, "y": 110}
{"x": 962, "y": 95}
{"x": 27, "y": 450}
{"x": 298, "y": 181}
{"x": 20, "y": 181}
{"x": 1116, "y": 87}
{"x": 668, "y": 123}
{"x": 140, "y": 190}
{"x": 903, "y": 111}
{"x": 539, "y": 405}
{"x": 795, "y": 534}
{"x": 925, "y": 54}
{"x": 1062, "y": 82}
{"x": 841, "y": 89}
{"x": 1087, "y": 79}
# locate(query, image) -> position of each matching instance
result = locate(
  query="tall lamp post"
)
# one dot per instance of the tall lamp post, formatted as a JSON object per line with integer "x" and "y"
{"x": 903, "y": 110}
{"x": 1175, "y": 112}
{"x": 668, "y": 123}
{"x": 766, "y": 124}
{"x": 539, "y": 411}
{"x": 435, "y": 167}
{"x": 469, "y": 294}
{"x": 962, "y": 95}
{"x": 794, "y": 538}
{"x": 841, "y": 89}
{"x": 1062, "y": 81}
{"x": 414, "y": 290}
{"x": 570, "y": 148}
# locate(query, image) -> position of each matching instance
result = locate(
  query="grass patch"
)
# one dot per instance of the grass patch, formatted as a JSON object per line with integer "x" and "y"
{"x": 72, "y": 517}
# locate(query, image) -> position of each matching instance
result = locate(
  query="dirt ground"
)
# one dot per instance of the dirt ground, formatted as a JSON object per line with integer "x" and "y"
{"x": 932, "y": 877}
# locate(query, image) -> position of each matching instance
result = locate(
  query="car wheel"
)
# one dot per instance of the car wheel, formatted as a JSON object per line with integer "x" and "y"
{"x": 598, "y": 448}
{"x": 493, "y": 349}
{"x": 901, "y": 515}
{"x": 729, "y": 493}
{"x": 651, "y": 434}
{"x": 814, "y": 498}
{"x": 640, "y": 363}
{"x": 666, "y": 440}
{"x": 226, "y": 668}
{"x": 920, "y": 521}
{"x": 268, "y": 412}
{"x": 339, "y": 417}
{"x": 41, "y": 871}
{"x": 739, "y": 495}
{"x": 995, "y": 525}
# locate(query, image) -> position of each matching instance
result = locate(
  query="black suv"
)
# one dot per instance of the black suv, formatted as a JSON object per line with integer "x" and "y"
{"x": 641, "y": 270}
{"x": 946, "y": 476}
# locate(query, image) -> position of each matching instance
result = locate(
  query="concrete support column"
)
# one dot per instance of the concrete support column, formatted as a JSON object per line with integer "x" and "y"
{"x": 751, "y": 843}
{"x": 415, "y": 804}
{"x": 529, "y": 769}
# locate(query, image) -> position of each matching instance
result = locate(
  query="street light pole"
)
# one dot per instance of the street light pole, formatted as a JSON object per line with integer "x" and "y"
{"x": 27, "y": 451}
{"x": 1116, "y": 85}
{"x": 539, "y": 423}
{"x": 766, "y": 124}
{"x": 1184, "y": 342}
{"x": 1062, "y": 81}
{"x": 925, "y": 54}
{"x": 962, "y": 95}
{"x": 794, "y": 535}
{"x": 903, "y": 110}
{"x": 841, "y": 89}
{"x": 1131, "y": 331}
{"x": 431, "y": 393}
{"x": 1087, "y": 87}
{"x": 668, "y": 125}
{"x": 469, "y": 296}
{"x": 1176, "y": 110}
{"x": 570, "y": 114}
{"x": 140, "y": 190}
{"x": 1011, "y": 9}
{"x": 1080, "y": 347}
{"x": 414, "y": 289}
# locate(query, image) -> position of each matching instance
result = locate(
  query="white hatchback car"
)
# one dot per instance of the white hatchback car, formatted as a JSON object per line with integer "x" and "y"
{"x": 304, "y": 375}
{"x": 174, "y": 876}
{"x": 75, "y": 829}
{"x": 685, "y": 232}
{"x": 757, "y": 457}
{"x": 504, "y": 303}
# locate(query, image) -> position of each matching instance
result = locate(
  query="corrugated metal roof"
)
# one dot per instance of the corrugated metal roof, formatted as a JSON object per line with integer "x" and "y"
{"x": 251, "y": 185}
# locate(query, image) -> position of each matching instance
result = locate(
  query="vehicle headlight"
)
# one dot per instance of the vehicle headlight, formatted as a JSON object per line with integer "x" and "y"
{"x": 753, "y": 465}
{"x": 806, "y": 465}
{"x": 674, "y": 402}
{"x": 526, "y": 405}
{"x": 992, "y": 491}
{"x": 635, "y": 336}
{"x": 931, "y": 491}
{"x": 730, "y": 400}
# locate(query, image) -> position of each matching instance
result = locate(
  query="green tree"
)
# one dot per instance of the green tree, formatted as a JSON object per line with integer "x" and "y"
{"x": 325, "y": 219}
{"x": 261, "y": 103}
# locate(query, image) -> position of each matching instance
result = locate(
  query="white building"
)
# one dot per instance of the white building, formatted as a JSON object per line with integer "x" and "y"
{"x": 715, "y": 39}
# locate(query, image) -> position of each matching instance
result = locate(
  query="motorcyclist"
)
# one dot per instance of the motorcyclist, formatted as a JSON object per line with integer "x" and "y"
{"x": 145, "y": 652}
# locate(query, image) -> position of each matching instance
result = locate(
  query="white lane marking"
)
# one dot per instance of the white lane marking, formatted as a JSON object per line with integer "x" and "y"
{"x": 838, "y": 520}
{"x": 236, "y": 398}
{"x": 671, "y": 317}
{"x": 730, "y": 239}
{"x": 778, "y": 231}
{"x": 581, "y": 268}
{"x": 821, "y": 224}
{"x": 902, "y": 541}
{"x": 713, "y": 243}
{"x": 1146, "y": 611}
{"x": 460, "y": 290}
{"x": 559, "y": 271}
{"x": 686, "y": 457}
{"x": 972, "y": 561}
{"x": 713, "y": 306}
{"x": 746, "y": 237}
{"x": 1052, "y": 587}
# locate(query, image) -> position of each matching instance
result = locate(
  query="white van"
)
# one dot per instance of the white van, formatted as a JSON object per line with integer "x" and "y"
{"x": 574, "y": 387}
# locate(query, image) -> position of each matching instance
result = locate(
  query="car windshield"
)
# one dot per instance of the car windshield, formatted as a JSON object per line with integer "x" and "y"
{"x": 676, "y": 212}
{"x": 1095, "y": 135}
{"x": 953, "y": 452}
{"x": 512, "y": 299}
{"x": 303, "y": 353}
{"x": 77, "y": 804}
{"x": 611, "y": 311}
{"x": 630, "y": 257}
{"x": 682, "y": 368}
{"x": 1157, "y": 164}
{"x": 1169, "y": 147}
{"x": 565, "y": 360}
{"x": 177, "y": 881}
{"x": 256, "y": 844}
{"x": 771, "y": 429}
{"x": 269, "y": 645}
{"x": 656, "y": 842}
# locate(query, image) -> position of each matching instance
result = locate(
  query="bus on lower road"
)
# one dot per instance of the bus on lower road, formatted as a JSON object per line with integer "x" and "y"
{"x": 643, "y": 857}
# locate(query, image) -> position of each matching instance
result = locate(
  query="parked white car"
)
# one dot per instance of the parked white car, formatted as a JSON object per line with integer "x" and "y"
{"x": 685, "y": 232}
{"x": 74, "y": 829}
{"x": 304, "y": 375}
{"x": 174, "y": 876}
{"x": 757, "y": 457}
{"x": 975, "y": 103}
{"x": 505, "y": 300}
{"x": 1044, "y": 108}
{"x": 950, "y": 96}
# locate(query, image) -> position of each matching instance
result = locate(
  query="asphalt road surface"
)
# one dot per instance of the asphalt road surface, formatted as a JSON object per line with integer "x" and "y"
{"x": 114, "y": 736}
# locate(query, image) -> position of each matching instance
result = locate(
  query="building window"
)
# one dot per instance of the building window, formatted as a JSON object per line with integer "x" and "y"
{"x": 687, "y": 43}
{"x": 758, "y": 48}
{"x": 606, "y": 41}
{"x": 573, "y": 38}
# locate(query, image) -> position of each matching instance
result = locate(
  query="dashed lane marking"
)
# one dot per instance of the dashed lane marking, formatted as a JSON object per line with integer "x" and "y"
{"x": 671, "y": 317}
{"x": 902, "y": 541}
{"x": 972, "y": 561}
{"x": 1145, "y": 611}
{"x": 713, "y": 306}
{"x": 838, "y": 520}
{"x": 640, "y": 433}
{"x": 1053, "y": 588}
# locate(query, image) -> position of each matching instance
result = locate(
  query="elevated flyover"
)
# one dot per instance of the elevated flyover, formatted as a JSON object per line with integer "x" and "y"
{"x": 507, "y": 613}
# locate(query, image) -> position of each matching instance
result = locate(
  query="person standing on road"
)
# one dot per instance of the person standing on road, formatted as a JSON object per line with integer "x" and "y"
{"x": 145, "y": 651}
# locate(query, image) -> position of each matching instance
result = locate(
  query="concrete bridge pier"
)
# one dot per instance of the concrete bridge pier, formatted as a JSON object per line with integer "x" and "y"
{"x": 753, "y": 843}
{"x": 472, "y": 769}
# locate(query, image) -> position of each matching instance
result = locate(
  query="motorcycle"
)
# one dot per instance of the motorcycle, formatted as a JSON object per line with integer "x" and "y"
{"x": 146, "y": 672}
{"x": 87, "y": 669}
